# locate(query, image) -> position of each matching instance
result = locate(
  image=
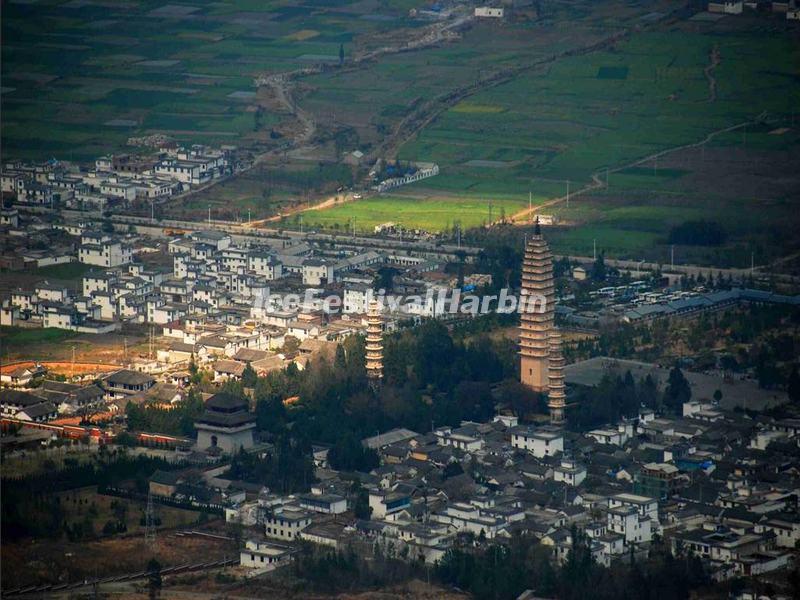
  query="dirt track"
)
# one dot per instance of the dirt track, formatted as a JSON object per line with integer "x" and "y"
{"x": 597, "y": 180}
{"x": 65, "y": 367}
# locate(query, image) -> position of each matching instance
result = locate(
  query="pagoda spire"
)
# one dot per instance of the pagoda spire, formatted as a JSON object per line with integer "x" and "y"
{"x": 556, "y": 394}
{"x": 536, "y": 318}
{"x": 374, "y": 344}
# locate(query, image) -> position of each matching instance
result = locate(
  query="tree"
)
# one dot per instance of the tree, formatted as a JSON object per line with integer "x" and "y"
{"x": 249, "y": 376}
{"x": 678, "y": 390}
{"x": 362, "y": 508}
{"x": 348, "y": 454}
{"x": 384, "y": 279}
{"x": 793, "y": 386}
{"x": 599, "y": 268}
{"x": 290, "y": 345}
{"x": 452, "y": 469}
{"x": 698, "y": 233}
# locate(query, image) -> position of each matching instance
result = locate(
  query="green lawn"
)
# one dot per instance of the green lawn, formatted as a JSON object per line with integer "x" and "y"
{"x": 430, "y": 213}
{"x": 67, "y": 271}
{"x": 16, "y": 338}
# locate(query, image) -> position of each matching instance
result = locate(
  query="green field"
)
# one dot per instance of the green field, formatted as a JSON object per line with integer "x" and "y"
{"x": 585, "y": 114}
{"x": 15, "y": 338}
{"x": 80, "y": 77}
{"x": 568, "y": 121}
{"x": 432, "y": 213}
{"x": 68, "y": 271}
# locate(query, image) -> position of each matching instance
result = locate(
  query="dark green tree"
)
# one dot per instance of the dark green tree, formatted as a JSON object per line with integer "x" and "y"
{"x": 153, "y": 578}
{"x": 678, "y": 391}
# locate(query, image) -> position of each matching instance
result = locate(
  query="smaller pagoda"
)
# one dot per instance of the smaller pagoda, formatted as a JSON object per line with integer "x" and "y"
{"x": 374, "y": 344}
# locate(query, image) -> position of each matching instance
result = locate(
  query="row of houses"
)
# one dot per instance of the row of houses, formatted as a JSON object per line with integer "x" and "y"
{"x": 738, "y": 7}
{"x": 115, "y": 179}
{"x": 620, "y": 485}
{"x": 52, "y": 399}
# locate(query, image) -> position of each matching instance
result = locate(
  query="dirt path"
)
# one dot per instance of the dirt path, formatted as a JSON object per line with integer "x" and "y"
{"x": 597, "y": 181}
{"x": 329, "y": 202}
{"x": 281, "y": 83}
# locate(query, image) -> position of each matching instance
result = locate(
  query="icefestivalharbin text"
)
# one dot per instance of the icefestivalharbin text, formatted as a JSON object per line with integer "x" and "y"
{"x": 433, "y": 303}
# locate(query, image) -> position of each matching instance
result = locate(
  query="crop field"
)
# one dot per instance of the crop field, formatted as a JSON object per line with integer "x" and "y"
{"x": 584, "y": 114}
{"x": 750, "y": 190}
{"x": 80, "y": 77}
{"x": 549, "y": 129}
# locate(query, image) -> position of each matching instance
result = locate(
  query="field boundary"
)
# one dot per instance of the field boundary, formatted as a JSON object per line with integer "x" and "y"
{"x": 597, "y": 181}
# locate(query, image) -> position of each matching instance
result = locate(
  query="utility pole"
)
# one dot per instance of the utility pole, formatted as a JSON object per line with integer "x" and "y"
{"x": 594, "y": 249}
{"x": 530, "y": 205}
{"x": 568, "y": 193}
{"x": 752, "y": 263}
{"x": 150, "y": 523}
{"x": 209, "y": 215}
{"x": 152, "y": 218}
{"x": 248, "y": 216}
{"x": 72, "y": 370}
{"x": 672, "y": 256}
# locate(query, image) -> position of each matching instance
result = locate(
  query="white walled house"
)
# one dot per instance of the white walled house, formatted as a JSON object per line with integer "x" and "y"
{"x": 610, "y": 436}
{"x": 329, "y": 504}
{"x": 107, "y": 304}
{"x": 317, "y": 272}
{"x": 123, "y": 190}
{"x": 570, "y": 472}
{"x": 263, "y": 555}
{"x": 644, "y": 505}
{"x": 355, "y": 299}
{"x": 97, "y": 282}
{"x": 627, "y": 522}
{"x": 489, "y": 12}
{"x": 265, "y": 264}
{"x": 458, "y": 439}
{"x": 23, "y": 300}
{"x": 384, "y": 503}
{"x": 51, "y": 292}
{"x": 110, "y": 253}
{"x": 191, "y": 173}
{"x": 286, "y": 524}
{"x": 540, "y": 442}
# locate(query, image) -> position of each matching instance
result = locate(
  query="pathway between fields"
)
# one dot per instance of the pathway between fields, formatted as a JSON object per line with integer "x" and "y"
{"x": 597, "y": 180}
